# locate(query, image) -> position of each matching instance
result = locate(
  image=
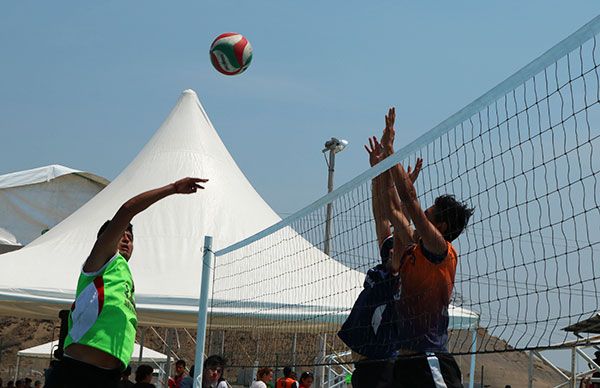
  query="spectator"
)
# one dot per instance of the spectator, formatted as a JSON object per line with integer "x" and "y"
{"x": 212, "y": 376}
{"x": 306, "y": 380}
{"x": 288, "y": 380}
{"x": 20, "y": 384}
{"x": 175, "y": 380}
{"x": 27, "y": 381}
{"x": 143, "y": 377}
{"x": 263, "y": 377}
{"x": 188, "y": 381}
{"x": 125, "y": 382}
{"x": 37, "y": 384}
{"x": 10, "y": 384}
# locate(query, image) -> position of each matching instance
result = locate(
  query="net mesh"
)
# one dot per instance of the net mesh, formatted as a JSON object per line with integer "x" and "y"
{"x": 525, "y": 161}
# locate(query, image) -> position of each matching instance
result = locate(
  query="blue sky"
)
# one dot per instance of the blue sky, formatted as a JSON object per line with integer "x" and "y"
{"x": 86, "y": 84}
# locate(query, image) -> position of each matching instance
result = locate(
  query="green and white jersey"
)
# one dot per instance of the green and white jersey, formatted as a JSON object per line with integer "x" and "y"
{"x": 103, "y": 315}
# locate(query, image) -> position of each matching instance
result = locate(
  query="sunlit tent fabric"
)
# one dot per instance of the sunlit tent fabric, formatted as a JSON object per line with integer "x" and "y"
{"x": 8, "y": 242}
{"x": 33, "y": 201}
{"x": 39, "y": 279}
{"x": 45, "y": 351}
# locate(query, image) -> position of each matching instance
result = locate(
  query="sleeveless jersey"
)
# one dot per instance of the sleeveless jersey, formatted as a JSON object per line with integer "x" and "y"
{"x": 425, "y": 290}
{"x": 103, "y": 315}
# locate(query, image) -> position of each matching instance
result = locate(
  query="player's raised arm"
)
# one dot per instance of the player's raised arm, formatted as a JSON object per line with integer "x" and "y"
{"x": 109, "y": 241}
{"x": 432, "y": 237}
{"x": 382, "y": 223}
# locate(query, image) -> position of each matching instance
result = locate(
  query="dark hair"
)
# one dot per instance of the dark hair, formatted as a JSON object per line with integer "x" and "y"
{"x": 452, "y": 212}
{"x": 263, "y": 372}
{"x": 287, "y": 370}
{"x": 142, "y": 372}
{"x": 105, "y": 225}
{"x": 305, "y": 375}
{"x": 386, "y": 248}
{"x": 214, "y": 360}
{"x": 180, "y": 362}
{"x": 127, "y": 371}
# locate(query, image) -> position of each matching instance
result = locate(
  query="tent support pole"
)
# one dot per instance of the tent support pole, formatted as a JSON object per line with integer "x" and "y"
{"x": 294, "y": 349}
{"x": 530, "y": 371}
{"x": 207, "y": 263}
{"x": 573, "y": 382}
{"x": 222, "y": 342}
{"x": 168, "y": 364}
{"x": 17, "y": 368}
{"x": 142, "y": 337}
{"x": 322, "y": 368}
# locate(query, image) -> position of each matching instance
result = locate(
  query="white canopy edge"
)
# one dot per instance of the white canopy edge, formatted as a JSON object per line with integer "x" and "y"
{"x": 45, "y": 351}
{"x": 152, "y": 310}
{"x": 44, "y": 174}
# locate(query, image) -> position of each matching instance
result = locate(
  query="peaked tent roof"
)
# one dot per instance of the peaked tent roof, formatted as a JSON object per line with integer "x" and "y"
{"x": 33, "y": 201}
{"x": 40, "y": 279}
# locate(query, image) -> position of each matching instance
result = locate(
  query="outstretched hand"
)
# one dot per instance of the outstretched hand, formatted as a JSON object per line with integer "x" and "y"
{"x": 375, "y": 151}
{"x": 389, "y": 133}
{"x": 413, "y": 174}
{"x": 188, "y": 185}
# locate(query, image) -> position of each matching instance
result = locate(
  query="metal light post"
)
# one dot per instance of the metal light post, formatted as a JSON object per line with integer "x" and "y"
{"x": 333, "y": 146}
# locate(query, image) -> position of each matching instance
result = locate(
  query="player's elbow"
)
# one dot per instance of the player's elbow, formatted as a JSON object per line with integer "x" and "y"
{"x": 128, "y": 209}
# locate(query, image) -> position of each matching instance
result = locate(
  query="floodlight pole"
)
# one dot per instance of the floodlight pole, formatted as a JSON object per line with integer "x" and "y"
{"x": 331, "y": 169}
{"x": 333, "y": 146}
{"x": 207, "y": 262}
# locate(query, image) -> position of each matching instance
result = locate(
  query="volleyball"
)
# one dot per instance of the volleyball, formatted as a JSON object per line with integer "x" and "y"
{"x": 231, "y": 53}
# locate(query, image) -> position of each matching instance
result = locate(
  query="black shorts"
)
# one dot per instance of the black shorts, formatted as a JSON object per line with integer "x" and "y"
{"x": 70, "y": 373}
{"x": 373, "y": 374}
{"x": 428, "y": 371}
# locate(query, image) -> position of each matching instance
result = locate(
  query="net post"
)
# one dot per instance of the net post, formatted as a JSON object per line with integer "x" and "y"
{"x": 207, "y": 261}
{"x": 473, "y": 352}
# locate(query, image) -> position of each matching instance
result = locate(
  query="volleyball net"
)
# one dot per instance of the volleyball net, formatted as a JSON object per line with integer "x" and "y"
{"x": 525, "y": 155}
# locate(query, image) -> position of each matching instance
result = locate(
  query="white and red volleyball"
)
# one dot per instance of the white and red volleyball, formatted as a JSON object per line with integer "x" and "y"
{"x": 231, "y": 53}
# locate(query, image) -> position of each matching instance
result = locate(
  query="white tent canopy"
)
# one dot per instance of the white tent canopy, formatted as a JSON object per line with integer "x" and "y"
{"x": 8, "y": 242}
{"x": 45, "y": 351}
{"x": 39, "y": 279}
{"x": 33, "y": 201}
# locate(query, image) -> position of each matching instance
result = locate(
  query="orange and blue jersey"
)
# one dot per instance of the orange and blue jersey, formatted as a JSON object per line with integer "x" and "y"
{"x": 425, "y": 290}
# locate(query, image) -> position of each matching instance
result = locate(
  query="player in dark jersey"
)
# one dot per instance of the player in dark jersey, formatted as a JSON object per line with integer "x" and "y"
{"x": 370, "y": 330}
